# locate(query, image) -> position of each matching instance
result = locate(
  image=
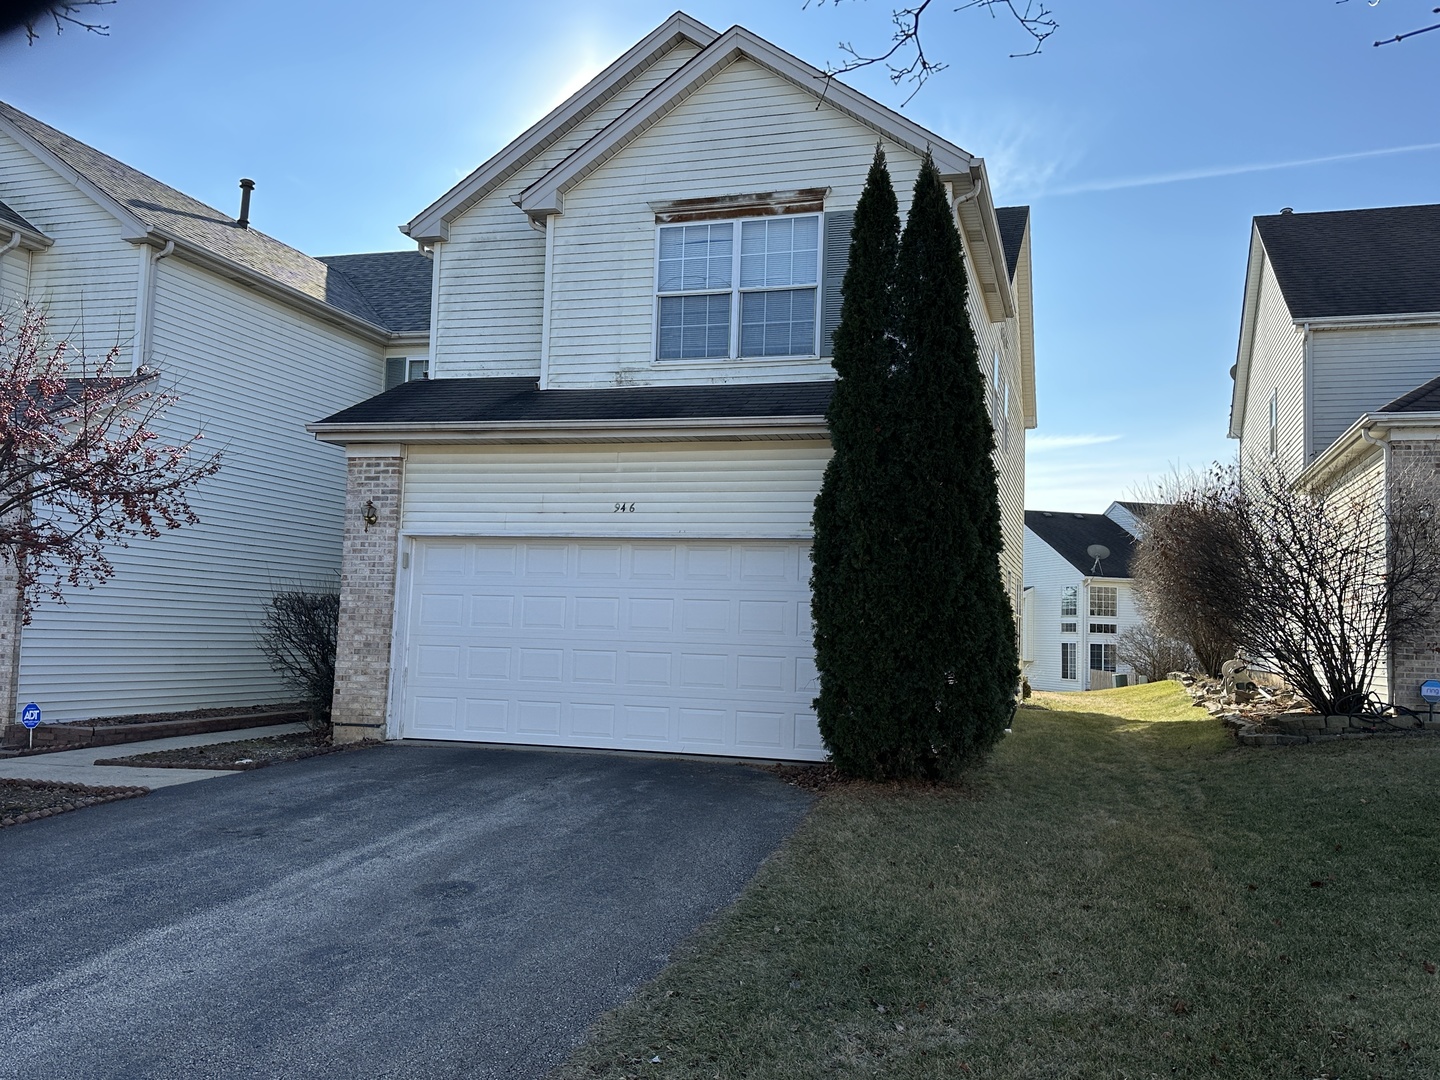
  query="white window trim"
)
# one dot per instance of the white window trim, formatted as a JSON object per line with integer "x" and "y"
{"x": 735, "y": 291}
{"x": 1274, "y": 419}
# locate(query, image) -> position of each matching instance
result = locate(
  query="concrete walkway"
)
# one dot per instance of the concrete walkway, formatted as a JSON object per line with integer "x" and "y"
{"x": 78, "y": 766}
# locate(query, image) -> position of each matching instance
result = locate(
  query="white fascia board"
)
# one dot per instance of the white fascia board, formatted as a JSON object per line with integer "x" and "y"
{"x": 433, "y": 223}
{"x": 1249, "y": 312}
{"x": 132, "y": 228}
{"x": 411, "y": 340}
{"x": 225, "y": 268}
{"x": 1367, "y": 322}
{"x": 30, "y": 240}
{"x": 545, "y": 196}
{"x": 1023, "y": 288}
{"x": 1393, "y": 426}
{"x": 995, "y": 249}
{"x": 575, "y": 431}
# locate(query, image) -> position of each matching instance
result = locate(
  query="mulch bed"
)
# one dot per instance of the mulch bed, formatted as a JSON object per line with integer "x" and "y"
{"x": 192, "y": 714}
{"x": 239, "y": 756}
{"x": 28, "y": 800}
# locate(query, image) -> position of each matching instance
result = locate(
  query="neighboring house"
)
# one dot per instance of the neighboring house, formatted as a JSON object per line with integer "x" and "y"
{"x": 1336, "y": 377}
{"x": 1078, "y": 596}
{"x": 257, "y": 339}
{"x": 591, "y": 525}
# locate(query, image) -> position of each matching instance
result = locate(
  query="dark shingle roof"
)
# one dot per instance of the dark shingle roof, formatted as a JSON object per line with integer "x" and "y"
{"x": 161, "y": 207}
{"x": 1012, "y": 221}
{"x": 10, "y": 217}
{"x": 477, "y": 401}
{"x": 1424, "y": 398}
{"x": 1072, "y": 534}
{"x": 1139, "y": 509}
{"x": 396, "y": 285}
{"x": 1384, "y": 261}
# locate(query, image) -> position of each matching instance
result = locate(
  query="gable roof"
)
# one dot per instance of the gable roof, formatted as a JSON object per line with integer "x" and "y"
{"x": 433, "y": 222}
{"x": 396, "y": 285}
{"x": 519, "y": 400}
{"x": 1013, "y": 221}
{"x": 1347, "y": 263}
{"x": 148, "y": 208}
{"x": 10, "y": 217}
{"x": 1424, "y": 398}
{"x": 1071, "y": 535}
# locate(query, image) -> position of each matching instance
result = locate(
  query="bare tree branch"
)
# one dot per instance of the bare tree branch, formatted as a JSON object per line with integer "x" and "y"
{"x": 61, "y": 14}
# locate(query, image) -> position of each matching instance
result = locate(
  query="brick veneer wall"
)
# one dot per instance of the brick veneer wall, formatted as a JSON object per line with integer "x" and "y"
{"x": 367, "y": 599}
{"x": 1417, "y": 657}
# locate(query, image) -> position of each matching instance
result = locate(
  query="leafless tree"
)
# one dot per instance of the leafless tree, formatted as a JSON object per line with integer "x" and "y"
{"x": 906, "y": 60}
{"x": 38, "y": 17}
{"x": 1312, "y": 582}
{"x": 298, "y": 638}
{"x": 1152, "y": 653}
{"x": 1400, "y": 37}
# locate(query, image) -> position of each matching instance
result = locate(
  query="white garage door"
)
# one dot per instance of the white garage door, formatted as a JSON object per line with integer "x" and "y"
{"x": 686, "y": 647}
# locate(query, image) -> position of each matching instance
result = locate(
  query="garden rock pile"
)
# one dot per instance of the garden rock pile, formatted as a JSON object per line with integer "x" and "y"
{"x": 1265, "y": 716}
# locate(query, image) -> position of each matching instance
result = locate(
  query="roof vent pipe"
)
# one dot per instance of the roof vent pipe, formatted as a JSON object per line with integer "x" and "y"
{"x": 246, "y": 187}
{"x": 1287, "y": 210}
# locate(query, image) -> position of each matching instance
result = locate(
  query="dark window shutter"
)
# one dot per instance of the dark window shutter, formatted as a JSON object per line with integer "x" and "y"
{"x": 838, "y": 225}
{"x": 394, "y": 371}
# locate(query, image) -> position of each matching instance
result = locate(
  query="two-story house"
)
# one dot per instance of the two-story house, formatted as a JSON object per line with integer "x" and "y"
{"x": 1079, "y": 596}
{"x": 1336, "y": 377}
{"x": 257, "y": 339}
{"x": 590, "y": 526}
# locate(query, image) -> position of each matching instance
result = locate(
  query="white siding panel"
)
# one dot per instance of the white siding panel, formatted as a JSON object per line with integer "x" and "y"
{"x": 491, "y": 285}
{"x": 1277, "y": 364}
{"x": 1357, "y": 371}
{"x": 174, "y": 629}
{"x": 745, "y": 131}
{"x": 732, "y": 490}
{"x": 14, "y": 279}
{"x": 87, "y": 281}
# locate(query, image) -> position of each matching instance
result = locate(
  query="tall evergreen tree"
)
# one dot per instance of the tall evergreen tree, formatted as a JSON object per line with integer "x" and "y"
{"x": 956, "y": 695}
{"x": 856, "y": 649}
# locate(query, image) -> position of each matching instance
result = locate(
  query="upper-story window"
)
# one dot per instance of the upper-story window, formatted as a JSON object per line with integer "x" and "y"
{"x": 1104, "y": 601}
{"x": 399, "y": 369}
{"x": 1068, "y": 602}
{"x": 738, "y": 289}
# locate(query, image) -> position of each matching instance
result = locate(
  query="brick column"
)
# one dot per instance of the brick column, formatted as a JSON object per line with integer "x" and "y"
{"x": 367, "y": 592}
{"x": 1415, "y": 658}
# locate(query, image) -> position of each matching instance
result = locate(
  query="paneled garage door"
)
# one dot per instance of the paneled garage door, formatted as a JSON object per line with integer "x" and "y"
{"x": 693, "y": 647}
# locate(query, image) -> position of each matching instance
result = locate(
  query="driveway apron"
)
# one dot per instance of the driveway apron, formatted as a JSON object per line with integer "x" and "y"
{"x": 397, "y": 912}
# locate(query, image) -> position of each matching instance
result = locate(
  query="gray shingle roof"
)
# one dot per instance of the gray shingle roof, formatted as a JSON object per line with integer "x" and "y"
{"x": 1424, "y": 398}
{"x": 159, "y": 206}
{"x": 9, "y": 217}
{"x": 396, "y": 284}
{"x": 1072, "y": 534}
{"x": 440, "y": 401}
{"x": 1384, "y": 261}
{"x": 1012, "y": 221}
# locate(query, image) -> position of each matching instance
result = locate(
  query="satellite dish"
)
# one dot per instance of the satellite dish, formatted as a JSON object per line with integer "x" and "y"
{"x": 1097, "y": 552}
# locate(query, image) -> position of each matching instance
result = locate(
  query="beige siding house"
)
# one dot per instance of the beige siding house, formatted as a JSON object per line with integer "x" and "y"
{"x": 1337, "y": 380}
{"x": 591, "y": 526}
{"x": 257, "y": 338}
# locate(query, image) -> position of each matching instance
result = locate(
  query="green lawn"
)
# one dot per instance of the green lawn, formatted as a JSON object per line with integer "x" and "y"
{"x": 1120, "y": 892}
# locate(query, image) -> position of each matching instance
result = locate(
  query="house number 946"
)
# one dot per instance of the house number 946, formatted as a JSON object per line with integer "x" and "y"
{"x": 624, "y": 508}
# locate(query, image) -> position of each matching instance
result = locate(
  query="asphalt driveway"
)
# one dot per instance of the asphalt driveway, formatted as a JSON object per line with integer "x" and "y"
{"x": 399, "y": 912}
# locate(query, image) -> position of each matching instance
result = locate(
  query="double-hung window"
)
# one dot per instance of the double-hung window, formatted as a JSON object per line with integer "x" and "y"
{"x": 738, "y": 289}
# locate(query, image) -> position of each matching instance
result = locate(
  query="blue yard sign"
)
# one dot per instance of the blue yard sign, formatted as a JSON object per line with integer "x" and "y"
{"x": 30, "y": 715}
{"x": 1430, "y": 690}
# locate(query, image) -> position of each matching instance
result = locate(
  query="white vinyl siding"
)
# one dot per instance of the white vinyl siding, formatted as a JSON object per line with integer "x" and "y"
{"x": 14, "y": 279}
{"x": 491, "y": 272}
{"x": 1357, "y": 371}
{"x": 1277, "y": 373}
{"x": 739, "y": 490}
{"x": 175, "y": 628}
{"x": 745, "y": 131}
{"x": 87, "y": 282}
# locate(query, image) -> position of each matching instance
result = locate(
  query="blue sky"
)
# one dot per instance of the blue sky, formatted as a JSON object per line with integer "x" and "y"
{"x": 1145, "y": 137}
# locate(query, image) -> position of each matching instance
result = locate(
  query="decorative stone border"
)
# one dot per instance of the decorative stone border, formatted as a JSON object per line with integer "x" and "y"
{"x": 79, "y": 735}
{"x": 1297, "y": 729}
{"x": 85, "y": 795}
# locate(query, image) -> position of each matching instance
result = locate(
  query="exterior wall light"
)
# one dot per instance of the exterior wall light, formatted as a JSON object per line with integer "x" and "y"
{"x": 370, "y": 514}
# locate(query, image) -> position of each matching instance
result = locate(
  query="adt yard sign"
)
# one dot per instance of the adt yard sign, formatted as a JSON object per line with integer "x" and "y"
{"x": 30, "y": 715}
{"x": 1430, "y": 690}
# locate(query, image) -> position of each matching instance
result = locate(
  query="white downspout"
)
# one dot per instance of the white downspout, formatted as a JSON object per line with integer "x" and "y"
{"x": 11, "y": 244}
{"x": 544, "y": 381}
{"x": 145, "y": 304}
{"x": 1385, "y": 448}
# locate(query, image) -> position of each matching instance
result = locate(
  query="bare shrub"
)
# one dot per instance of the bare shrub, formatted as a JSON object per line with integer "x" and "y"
{"x": 298, "y": 639}
{"x": 1151, "y": 653}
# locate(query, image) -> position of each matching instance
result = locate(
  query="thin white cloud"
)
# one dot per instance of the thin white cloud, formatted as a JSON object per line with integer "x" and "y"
{"x": 1121, "y": 183}
{"x": 1039, "y": 444}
